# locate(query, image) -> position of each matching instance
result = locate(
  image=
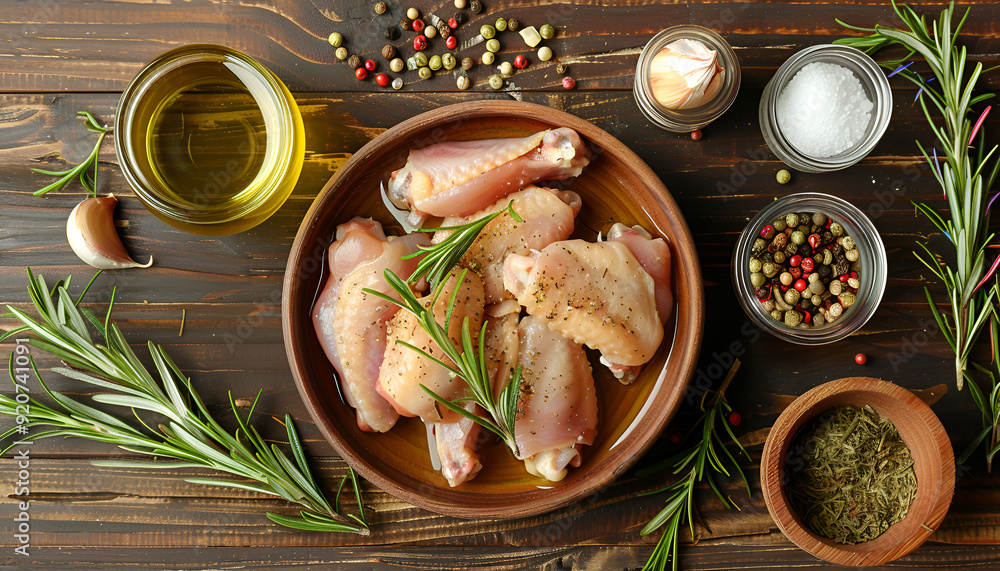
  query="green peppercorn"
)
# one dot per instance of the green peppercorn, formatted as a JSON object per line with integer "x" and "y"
{"x": 819, "y": 219}
{"x": 792, "y": 296}
{"x": 779, "y": 225}
{"x": 757, "y": 279}
{"x": 546, "y": 32}
{"x": 506, "y": 70}
{"x": 421, "y": 59}
{"x": 493, "y": 46}
{"x": 336, "y": 39}
{"x": 487, "y": 31}
{"x": 512, "y": 25}
{"x": 792, "y": 220}
{"x": 500, "y": 25}
{"x": 545, "y": 53}
{"x": 463, "y": 82}
{"x": 798, "y": 238}
{"x": 852, "y": 255}
{"x": 562, "y": 68}
{"x": 496, "y": 82}
{"x": 754, "y": 265}
{"x": 779, "y": 257}
{"x": 793, "y": 318}
{"x": 777, "y": 315}
{"x": 434, "y": 63}
{"x": 770, "y": 269}
{"x": 847, "y": 242}
{"x": 448, "y": 61}
{"x": 783, "y": 176}
{"x": 836, "y": 229}
{"x": 827, "y": 257}
{"x": 488, "y": 58}
{"x": 411, "y": 63}
{"x": 467, "y": 63}
{"x": 425, "y": 73}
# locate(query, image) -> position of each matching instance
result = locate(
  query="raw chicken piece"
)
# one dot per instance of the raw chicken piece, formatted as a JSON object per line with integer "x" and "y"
{"x": 457, "y": 178}
{"x": 350, "y": 323}
{"x": 458, "y": 442}
{"x": 654, "y": 256}
{"x": 557, "y": 413}
{"x": 594, "y": 293}
{"x": 404, "y": 370}
{"x": 548, "y": 217}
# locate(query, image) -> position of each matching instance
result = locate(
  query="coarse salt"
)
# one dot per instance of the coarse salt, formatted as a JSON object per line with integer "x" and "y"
{"x": 824, "y": 110}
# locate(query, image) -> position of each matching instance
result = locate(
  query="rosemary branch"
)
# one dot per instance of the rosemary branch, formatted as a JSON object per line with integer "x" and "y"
{"x": 700, "y": 462}
{"x": 190, "y": 435}
{"x": 82, "y": 170}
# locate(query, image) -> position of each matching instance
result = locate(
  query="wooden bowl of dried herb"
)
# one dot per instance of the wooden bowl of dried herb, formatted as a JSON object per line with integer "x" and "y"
{"x": 858, "y": 472}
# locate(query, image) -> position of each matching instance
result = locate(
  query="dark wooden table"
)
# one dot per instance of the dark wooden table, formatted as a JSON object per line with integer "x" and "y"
{"x": 61, "y": 56}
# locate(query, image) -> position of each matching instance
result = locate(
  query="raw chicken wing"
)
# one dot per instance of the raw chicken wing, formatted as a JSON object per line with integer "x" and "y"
{"x": 458, "y": 178}
{"x": 350, "y": 323}
{"x": 557, "y": 413}
{"x": 654, "y": 256}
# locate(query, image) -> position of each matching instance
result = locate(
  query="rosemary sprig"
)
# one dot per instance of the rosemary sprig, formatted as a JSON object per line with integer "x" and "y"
{"x": 695, "y": 464}
{"x": 988, "y": 403}
{"x": 439, "y": 259}
{"x": 190, "y": 434}
{"x": 468, "y": 358}
{"x": 961, "y": 176}
{"x": 82, "y": 170}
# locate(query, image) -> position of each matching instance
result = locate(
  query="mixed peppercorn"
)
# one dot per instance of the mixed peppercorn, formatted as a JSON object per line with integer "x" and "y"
{"x": 804, "y": 269}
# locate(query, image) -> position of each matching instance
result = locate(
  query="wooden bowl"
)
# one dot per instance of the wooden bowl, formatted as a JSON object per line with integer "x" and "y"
{"x": 921, "y": 431}
{"x": 616, "y": 187}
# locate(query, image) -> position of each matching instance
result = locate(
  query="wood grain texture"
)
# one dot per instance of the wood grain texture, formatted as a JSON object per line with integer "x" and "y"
{"x": 57, "y": 57}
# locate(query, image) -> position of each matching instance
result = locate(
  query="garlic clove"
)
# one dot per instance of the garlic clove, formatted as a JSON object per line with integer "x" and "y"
{"x": 92, "y": 235}
{"x": 685, "y": 74}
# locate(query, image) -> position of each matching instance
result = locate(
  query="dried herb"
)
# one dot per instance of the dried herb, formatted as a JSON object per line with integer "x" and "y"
{"x": 855, "y": 478}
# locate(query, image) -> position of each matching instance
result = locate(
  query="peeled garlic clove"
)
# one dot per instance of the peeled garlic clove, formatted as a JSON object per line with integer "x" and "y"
{"x": 92, "y": 235}
{"x": 685, "y": 74}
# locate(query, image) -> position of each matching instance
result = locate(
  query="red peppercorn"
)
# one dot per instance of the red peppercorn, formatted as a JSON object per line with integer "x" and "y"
{"x": 807, "y": 264}
{"x": 784, "y": 288}
{"x": 806, "y": 317}
{"x": 420, "y": 43}
{"x": 417, "y": 25}
{"x": 735, "y": 419}
{"x": 854, "y": 275}
{"x": 796, "y": 272}
{"x": 861, "y": 358}
{"x": 361, "y": 73}
{"x": 452, "y": 23}
{"x": 520, "y": 62}
{"x": 696, "y": 135}
{"x": 843, "y": 278}
{"x": 370, "y": 65}
{"x": 382, "y": 79}
{"x": 451, "y": 43}
{"x": 569, "y": 83}
{"x": 676, "y": 437}
{"x": 814, "y": 241}
{"x": 795, "y": 260}
{"x": 801, "y": 285}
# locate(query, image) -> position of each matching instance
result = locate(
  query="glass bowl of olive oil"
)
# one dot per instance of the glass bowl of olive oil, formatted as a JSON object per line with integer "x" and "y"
{"x": 210, "y": 140}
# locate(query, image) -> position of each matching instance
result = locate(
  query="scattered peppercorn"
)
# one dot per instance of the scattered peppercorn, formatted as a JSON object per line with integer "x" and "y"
{"x": 453, "y": 22}
{"x": 512, "y": 25}
{"x": 390, "y": 33}
{"x": 420, "y": 58}
{"x": 406, "y": 24}
{"x": 449, "y": 61}
{"x": 488, "y": 58}
{"x": 544, "y": 53}
{"x": 460, "y": 4}
{"x": 506, "y": 70}
{"x": 451, "y": 43}
{"x": 520, "y": 62}
{"x": 476, "y": 6}
{"x": 562, "y": 68}
{"x": 467, "y": 63}
{"x": 696, "y": 135}
{"x": 463, "y": 82}
{"x": 370, "y": 65}
{"x": 336, "y": 39}
{"x": 493, "y": 45}
{"x": 443, "y": 29}
{"x": 418, "y": 25}
{"x": 354, "y": 61}
{"x": 547, "y": 32}
{"x": 380, "y": 7}
{"x": 496, "y": 82}
{"x": 382, "y": 79}
{"x": 430, "y": 32}
{"x": 425, "y": 73}
{"x": 500, "y": 24}
{"x": 361, "y": 73}
{"x": 434, "y": 63}
{"x": 420, "y": 43}
{"x": 397, "y": 83}
{"x": 341, "y": 53}
{"x": 861, "y": 358}
{"x": 412, "y": 13}
{"x": 735, "y": 419}
{"x": 568, "y": 83}
{"x": 389, "y": 52}
{"x": 396, "y": 65}
{"x": 487, "y": 31}
{"x": 783, "y": 176}
{"x": 459, "y": 18}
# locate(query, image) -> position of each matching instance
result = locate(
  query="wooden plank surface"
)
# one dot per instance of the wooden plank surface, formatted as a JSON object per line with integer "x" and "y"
{"x": 60, "y": 57}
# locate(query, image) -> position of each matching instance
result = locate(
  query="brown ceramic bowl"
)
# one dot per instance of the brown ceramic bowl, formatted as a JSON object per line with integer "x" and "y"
{"x": 616, "y": 187}
{"x": 921, "y": 431}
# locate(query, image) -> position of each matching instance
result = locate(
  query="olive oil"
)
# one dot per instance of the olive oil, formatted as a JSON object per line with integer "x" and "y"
{"x": 211, "y": 141}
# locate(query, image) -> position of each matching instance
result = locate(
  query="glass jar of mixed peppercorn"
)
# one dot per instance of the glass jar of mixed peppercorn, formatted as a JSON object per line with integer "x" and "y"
{"x": 810, "y": 268}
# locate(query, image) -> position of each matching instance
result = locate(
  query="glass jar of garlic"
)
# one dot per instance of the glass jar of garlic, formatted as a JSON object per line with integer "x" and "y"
{"x": 687, "y": 76}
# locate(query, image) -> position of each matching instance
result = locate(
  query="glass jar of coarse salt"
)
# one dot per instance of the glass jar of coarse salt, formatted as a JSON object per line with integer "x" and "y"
{"x": 687, "y": 76}
{"x": 825, "y": 108}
